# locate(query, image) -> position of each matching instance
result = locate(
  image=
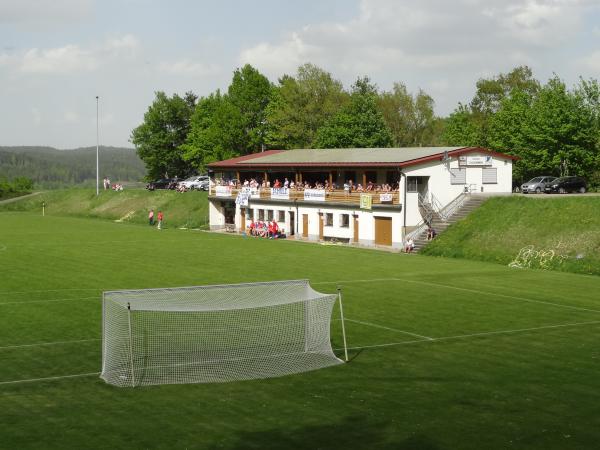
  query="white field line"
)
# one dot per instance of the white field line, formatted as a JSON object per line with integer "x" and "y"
{"x": 33, "y": 380}
{"x": 465, "y": 336}
{"x": 48, "y": 301}
{"x": 50, "y": 290}
{"x": 474, "y": 291}
{"x": 374, "y": 325}
{"x": 40, "y": 344}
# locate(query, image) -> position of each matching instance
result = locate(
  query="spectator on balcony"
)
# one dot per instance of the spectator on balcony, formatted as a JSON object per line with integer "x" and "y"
{"x": 286, "y": 183}
{"x": 277, "y": 183}
{"x": 359, "y": 188}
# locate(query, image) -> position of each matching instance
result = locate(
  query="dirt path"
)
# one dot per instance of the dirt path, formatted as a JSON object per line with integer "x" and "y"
{"x": 16, "y": 199}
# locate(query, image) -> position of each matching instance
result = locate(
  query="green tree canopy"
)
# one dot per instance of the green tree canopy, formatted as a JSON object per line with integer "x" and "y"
{"x": 250, "y": 92}
{"x": 409, "y": 117}
{"x": 359, "y": 124}
{"x": 216, "y": 132}
{"x": 301, "y": 105}
{"x": 159, "y": 138}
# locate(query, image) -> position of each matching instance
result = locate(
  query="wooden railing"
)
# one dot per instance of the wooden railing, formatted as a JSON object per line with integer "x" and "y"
{"x": 334, "y": 196}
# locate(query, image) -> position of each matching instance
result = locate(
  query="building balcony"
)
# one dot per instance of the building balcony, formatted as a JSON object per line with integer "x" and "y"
{"x": 308, "y": 196}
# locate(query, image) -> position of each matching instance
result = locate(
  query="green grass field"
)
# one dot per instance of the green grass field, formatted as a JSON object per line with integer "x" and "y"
{"x": 445, "y": 353}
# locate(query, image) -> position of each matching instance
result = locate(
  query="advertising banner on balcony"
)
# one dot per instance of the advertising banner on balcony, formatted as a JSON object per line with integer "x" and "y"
{"x": 366, "y": 201}
{"x": 280, "y": 193}
{"x": 314, "y": 195}
{"x": 223, "y": 191}
{"x": 386, "y": 198}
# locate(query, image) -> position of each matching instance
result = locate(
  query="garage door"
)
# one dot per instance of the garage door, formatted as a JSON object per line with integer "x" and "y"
{"x": 383, "y": 230}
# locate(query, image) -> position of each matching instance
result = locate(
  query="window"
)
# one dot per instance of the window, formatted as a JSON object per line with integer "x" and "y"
{"x": 458, "y": 176}
{"x": 411, "y": 184}
{"x": 344, "y": 220}
{"x": 269, "y": 214}
{"x": 489, "y": 175}
{"x": 329, "y": 219}
{"x": 281, "y": 216}
{"x": 261, "y": 214}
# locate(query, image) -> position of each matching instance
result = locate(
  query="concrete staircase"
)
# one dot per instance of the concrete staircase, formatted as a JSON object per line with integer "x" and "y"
{"x": 439, "y": 225}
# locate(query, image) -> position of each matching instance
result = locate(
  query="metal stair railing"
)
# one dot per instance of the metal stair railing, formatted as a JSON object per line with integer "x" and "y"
{"x": 454, "y": 206}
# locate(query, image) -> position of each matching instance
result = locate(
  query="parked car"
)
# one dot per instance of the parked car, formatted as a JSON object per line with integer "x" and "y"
{"x": 200, "y": 182}
{"x": 537, "y": 184}
{"x": 163, "y": 183}
{"x": 566, "y": 184}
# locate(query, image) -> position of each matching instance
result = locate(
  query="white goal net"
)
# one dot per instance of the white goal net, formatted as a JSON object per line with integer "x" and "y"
{"x": 218, "y": 333}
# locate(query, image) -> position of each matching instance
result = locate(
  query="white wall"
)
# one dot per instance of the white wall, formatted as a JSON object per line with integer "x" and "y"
{"x": 216, "y": 216}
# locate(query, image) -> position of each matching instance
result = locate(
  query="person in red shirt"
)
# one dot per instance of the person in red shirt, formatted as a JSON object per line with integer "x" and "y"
{"x": 160, "y": 219}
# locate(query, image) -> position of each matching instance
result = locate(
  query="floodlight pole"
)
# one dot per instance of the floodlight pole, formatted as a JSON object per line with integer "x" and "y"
{"x": 97, "y": 153}
{"x": 339, "y": 289}
{"x": 130, "y": 344}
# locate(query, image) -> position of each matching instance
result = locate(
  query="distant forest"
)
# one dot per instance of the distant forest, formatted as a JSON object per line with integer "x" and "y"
{"x": 48, "y": 167}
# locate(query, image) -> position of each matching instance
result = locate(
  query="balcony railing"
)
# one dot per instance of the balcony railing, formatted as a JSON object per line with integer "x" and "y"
{"x": 307, "y": 195}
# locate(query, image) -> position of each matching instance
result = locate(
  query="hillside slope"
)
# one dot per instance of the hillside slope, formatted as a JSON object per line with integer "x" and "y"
{"x": 549, "y": 233}
{"x": 189, "y": 209}
{"x": 49, "y": 167}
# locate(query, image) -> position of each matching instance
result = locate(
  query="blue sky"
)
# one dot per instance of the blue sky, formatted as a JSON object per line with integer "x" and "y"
{"x": 57, "y": 55}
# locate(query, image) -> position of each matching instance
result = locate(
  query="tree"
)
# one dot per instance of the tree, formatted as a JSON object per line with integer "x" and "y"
{"x": 474, "y": 119}
{"x": 216, "y": 132}
{"x": 410, "y": 118}
{"x": 301, "y": 105}
{"x": 250, "y": 92}
{"x": 358, "y": 124}
{"x": 553, "y": 131}
{"x": 159, "y": 138}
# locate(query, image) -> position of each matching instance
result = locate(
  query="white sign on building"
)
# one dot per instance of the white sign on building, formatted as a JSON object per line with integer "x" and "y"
{"x": 485, "y": 160}
{"x": 223, "y": 191}
{"x": 314, "y": 195}
{"x": 280, "y": 193}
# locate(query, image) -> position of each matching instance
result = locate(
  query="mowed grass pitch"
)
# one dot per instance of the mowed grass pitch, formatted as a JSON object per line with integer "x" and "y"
{"x": 445, "y": 353}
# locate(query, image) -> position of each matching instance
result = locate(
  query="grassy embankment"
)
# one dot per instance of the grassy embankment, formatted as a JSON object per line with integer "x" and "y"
{"x": 189, "y": 209}
{"x": 562, "y": 233}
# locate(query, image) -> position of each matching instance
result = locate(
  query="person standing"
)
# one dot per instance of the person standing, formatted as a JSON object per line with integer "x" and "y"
{"x": 160, "y": 219}
{"x": 151, "y": 217}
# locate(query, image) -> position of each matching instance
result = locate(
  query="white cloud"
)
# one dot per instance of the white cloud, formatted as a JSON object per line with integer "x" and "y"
{"x": 70, "y": 58}
{"x": 187, "y": 67}
{"x": 424, "y": 40}
{"x": 71, "y": 117}
{"x": 44, "y": 12}
{"x": 36, "y": 116}
{"x": 592, "y": 61}
{"x": 73, "y": 58}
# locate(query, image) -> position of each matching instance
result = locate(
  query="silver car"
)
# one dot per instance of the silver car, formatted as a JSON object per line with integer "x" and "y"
{"x": 536, "y": 185}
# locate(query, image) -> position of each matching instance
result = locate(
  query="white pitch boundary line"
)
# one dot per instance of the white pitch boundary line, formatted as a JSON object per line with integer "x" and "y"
{"x": 50, "y": 290}
{"x": 33, "y": 380}
{"x": 486, "y": 333}
{"x": 40, "y": 344}
{"x": 25, "y": 302}
{"x": 374, "y": 325}
{"x": 474, "y": 291}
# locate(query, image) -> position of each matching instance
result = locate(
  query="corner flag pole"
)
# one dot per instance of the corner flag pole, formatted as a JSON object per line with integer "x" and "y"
{"x": 130, "y": 344}
{"x": 339, "y": 289}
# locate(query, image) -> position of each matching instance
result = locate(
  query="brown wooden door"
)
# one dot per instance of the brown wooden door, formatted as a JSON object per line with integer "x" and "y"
{"x": 320, "y": 226}
{"x": 305, "y": 225}
{"x": 356, "y": 229}
{"x": 243, "y": 221}
{"x": 383, "y": 230}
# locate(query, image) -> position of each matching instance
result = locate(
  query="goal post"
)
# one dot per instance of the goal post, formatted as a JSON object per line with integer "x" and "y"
{"x": 216, "y": 333}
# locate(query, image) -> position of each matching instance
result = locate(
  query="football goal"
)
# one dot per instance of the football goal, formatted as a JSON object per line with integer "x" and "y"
{"x": 219, "y": 333}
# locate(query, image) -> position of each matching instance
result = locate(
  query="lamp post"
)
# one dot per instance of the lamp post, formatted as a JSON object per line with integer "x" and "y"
{"x": 97, "y": 153}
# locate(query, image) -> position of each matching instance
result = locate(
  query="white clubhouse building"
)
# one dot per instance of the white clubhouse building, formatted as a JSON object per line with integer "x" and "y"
{"x": 423, "y": 179}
